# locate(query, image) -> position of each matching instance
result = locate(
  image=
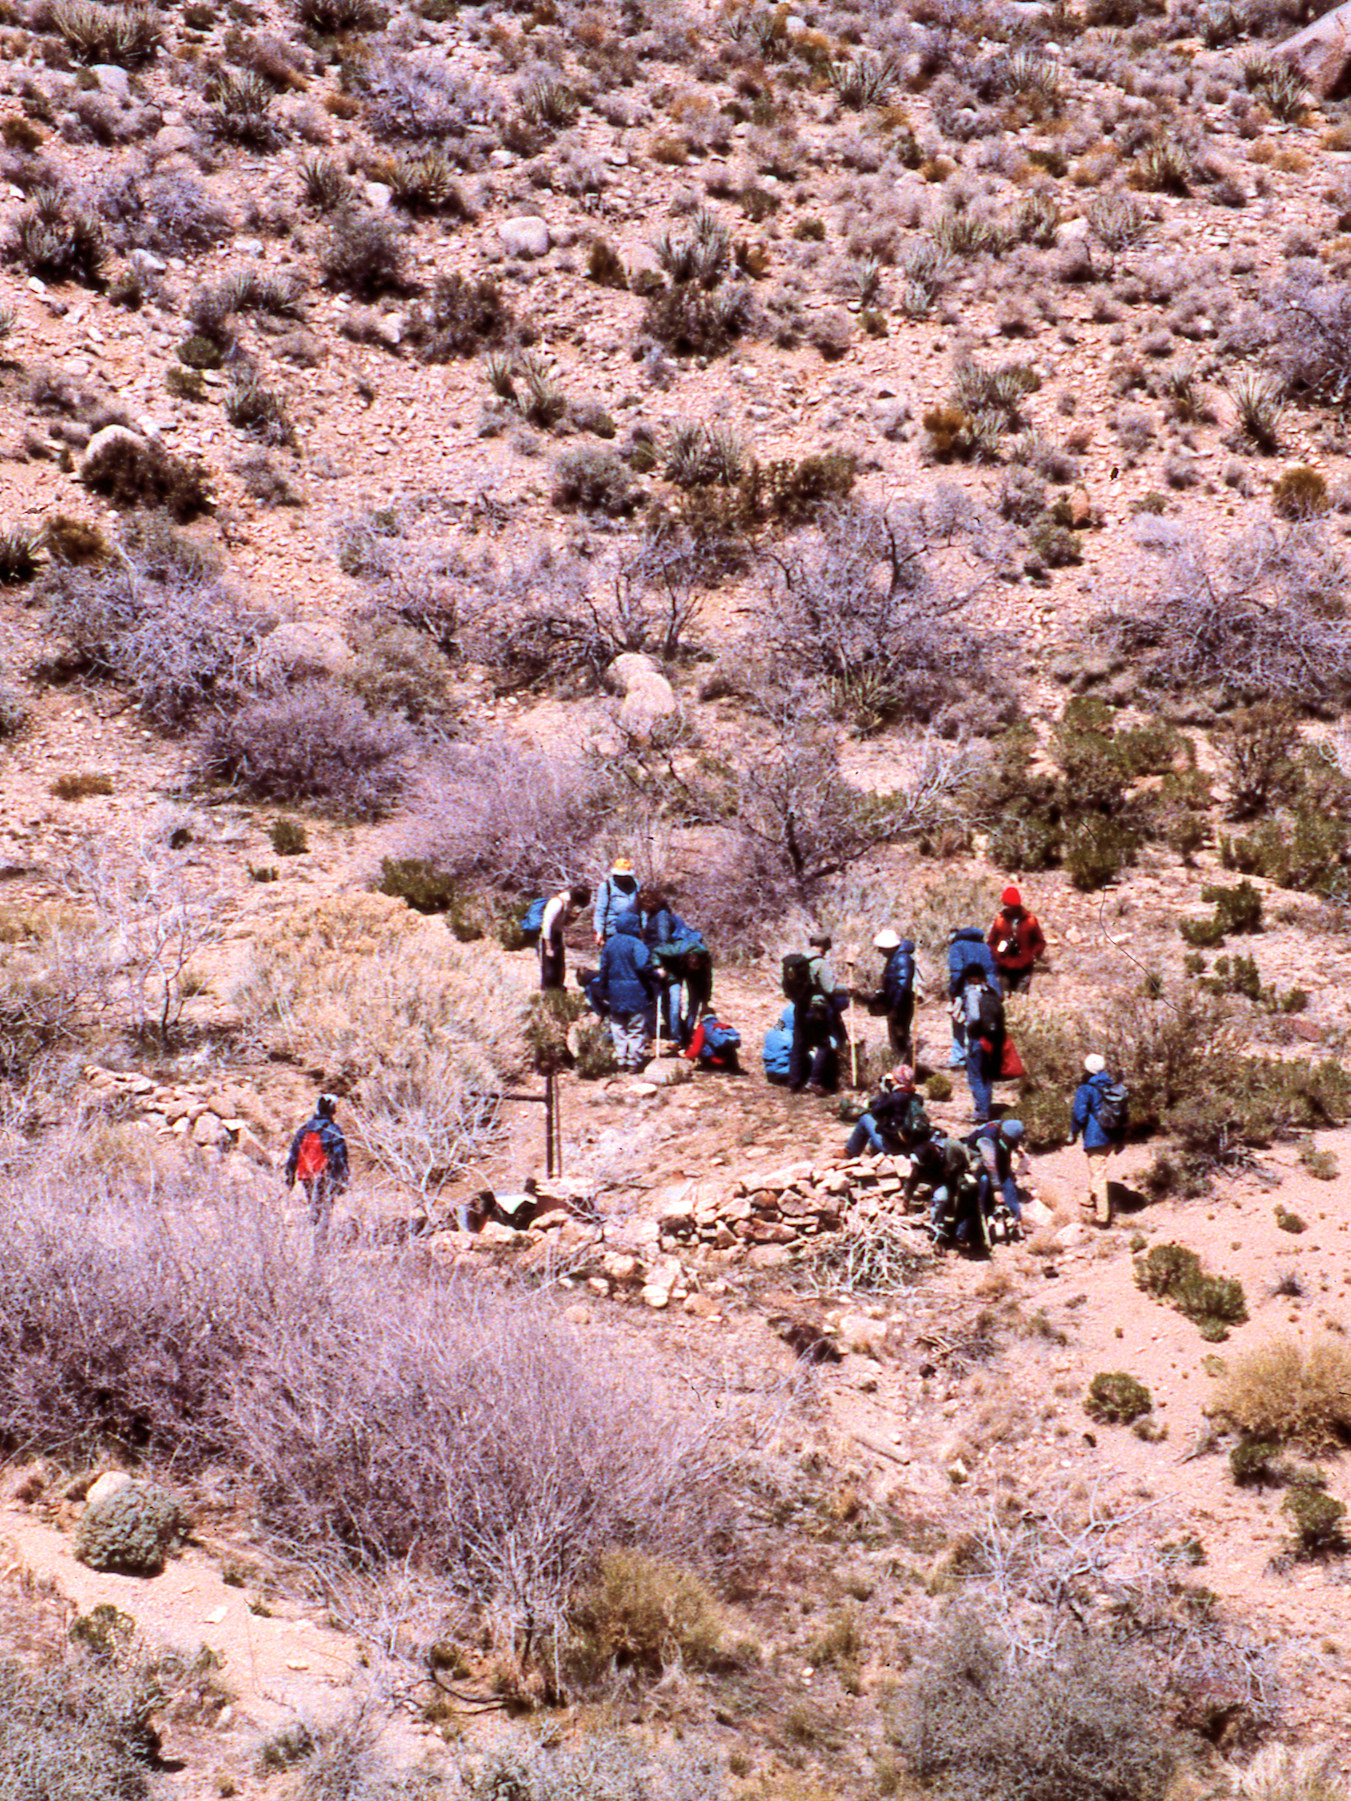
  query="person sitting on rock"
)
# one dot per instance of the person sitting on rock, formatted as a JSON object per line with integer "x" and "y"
{"x": 894, "y": 1120}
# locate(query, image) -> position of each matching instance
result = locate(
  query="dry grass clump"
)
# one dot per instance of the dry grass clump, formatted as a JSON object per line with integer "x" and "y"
{"x": 1291, "y": 1773}
{"x": 644, "y": 1613}
{"x": 1291, "y": 1392}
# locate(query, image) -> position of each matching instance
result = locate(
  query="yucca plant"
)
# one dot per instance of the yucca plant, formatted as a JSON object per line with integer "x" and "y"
{"x": 325, "y": 182}
{"x": 1259, "y": 404}
{"x": 862, "y": 81}
{"x": 107, "y": 34}
{"x": 20, "y": 553}
{"x": 55, "y": 235}
{"x": 242, "y": 109}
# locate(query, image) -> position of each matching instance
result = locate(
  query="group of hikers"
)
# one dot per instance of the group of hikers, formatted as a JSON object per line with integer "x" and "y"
{"x": 653, "y": 978}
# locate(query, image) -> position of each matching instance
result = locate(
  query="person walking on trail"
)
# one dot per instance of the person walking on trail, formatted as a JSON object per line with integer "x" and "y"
{"x": 967, "y": 949}
{"x": 999, "y": 1150}
{"x": 1098, "y": 1116}
{"x": 616, "y": 896}
{"x": 626, "y": 984}
{"x": 1017, "y": 941}
{"x": 981, "y": 1008}
{"x": 318, "y": 1159}
{"x": 559, "y": 912}
{"x": 894, "y": 997}
{"x": 894, "y": 1120}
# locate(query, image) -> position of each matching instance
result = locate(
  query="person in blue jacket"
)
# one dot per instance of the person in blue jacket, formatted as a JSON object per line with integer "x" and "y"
{"x": 627, "y": 984}
{"x": 967, "y": 949}
{"x": 777, "y": 1055}
{"x": 895, "y": 995}
{"x": 318, "y": 1157}
{"x": 999, "y": 1151}
{"x": 1093, "y": 1119}
{"x": 616, "y": 896}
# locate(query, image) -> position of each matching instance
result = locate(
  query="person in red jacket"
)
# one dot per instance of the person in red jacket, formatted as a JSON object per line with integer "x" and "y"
{"x": 1018, "y": 942}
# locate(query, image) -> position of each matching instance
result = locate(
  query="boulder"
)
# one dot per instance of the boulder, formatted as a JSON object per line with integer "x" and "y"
{"x": 107, "y": 1484}
{"x": 1322, "y": 53}
{"x": 112, "y": 80}
{"x": 298, "y": 650}
{"x": 648, "y": 698}
{"x": 103, "y": 440}
{"x": 526, "y": 235}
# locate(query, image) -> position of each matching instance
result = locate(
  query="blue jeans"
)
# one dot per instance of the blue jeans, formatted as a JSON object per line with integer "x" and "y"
{"x": 982, "y": 1084}
{"x": 1008, "y": 1193}
{"x": 631, "y": 1033}
{"x": 865, "y": 1136}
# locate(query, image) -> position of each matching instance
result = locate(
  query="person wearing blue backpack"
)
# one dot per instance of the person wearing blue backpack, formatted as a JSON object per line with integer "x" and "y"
{"x": 714, "y": 1045}
{"x": 626, "y": 983}
{"x": 894, "y": 997}
{"x": 1099, "y": 1115}
{"x": 967, "y": 952}
{"x": 559, "y": 912}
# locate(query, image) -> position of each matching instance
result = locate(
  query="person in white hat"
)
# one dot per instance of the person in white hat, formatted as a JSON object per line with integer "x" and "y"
{"x": 895, "y": 995}
{"x": 1099, "y": 1117}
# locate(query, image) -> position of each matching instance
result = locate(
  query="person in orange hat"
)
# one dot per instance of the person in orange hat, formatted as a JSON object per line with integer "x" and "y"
{"x": 616, "y": 897}
{"x": 1017, "y": 941}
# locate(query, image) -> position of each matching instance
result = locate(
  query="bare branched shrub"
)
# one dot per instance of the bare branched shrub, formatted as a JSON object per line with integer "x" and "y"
{"x": 364, "y": 253}
{"x": 1078, "y": 1726}
{"x": 860, "y": 608}
{"x": 1261, "y": 617}
{"x": 156, "y": 622}
{"x": 314, "y": 745}
{"x": 382, "y": 1415}
{"x": 599, "y": 1767}
{"x": 1311, "y": 340}
{"x": 169, "y": 214}
{"x": 421, "y": 98}
{"x": 509, "y": 814}
{"x": 74, "y": 1729}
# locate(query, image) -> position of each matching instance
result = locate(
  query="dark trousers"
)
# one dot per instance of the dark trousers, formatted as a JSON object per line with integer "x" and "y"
{"x": 552, "y": 965}
{"x": 1016, "y": 981}
{"x": 899, "y": 1021}
{"x": 813, "y": 1059}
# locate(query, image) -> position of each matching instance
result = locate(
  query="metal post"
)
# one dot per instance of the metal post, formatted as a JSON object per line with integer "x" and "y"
{"x": 550, "y": 1102}
{"x": 558, "y": 1125}
{"x": 853, "y": 1042}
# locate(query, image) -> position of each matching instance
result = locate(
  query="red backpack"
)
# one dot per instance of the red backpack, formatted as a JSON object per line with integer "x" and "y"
{"x": 312, "y": 1161}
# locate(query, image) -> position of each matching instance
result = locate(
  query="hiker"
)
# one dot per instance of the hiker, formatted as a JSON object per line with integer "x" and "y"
{"x": 777, "y": 1054}
{"x": 318, "y": 1157}
{"x": 626, "y": 984}
{"x": 559, "y": 912}
{"x": 714, "y": 1045}
{"x": 661, "y": 923}
{"x": 894, "y": 1120}
{"x": 894, "y": 996}
{"x": 1099, "y": 1115}
{"x": 1017, "y": 941}
{"x": 981, "y": 1009}
{"x": 941, "y": 1168}
{"x": 685, "y": 967}
{"x": 814, "y": 1062}
{"x": 617, "y": 896}
{"x": 999, "y": 1146}
{"x": 966, "y": 949}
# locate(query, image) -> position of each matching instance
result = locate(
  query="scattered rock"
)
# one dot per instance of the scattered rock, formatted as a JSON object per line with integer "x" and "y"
{"x": 649, "y": 699}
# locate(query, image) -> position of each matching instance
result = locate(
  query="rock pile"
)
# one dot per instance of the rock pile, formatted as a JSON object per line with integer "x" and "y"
{"x": 209, "y": 1116}
{"x": 769, "y": 1219}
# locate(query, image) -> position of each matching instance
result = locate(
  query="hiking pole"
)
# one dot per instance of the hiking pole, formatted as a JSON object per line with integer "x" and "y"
{"x": 853, "y": 1042}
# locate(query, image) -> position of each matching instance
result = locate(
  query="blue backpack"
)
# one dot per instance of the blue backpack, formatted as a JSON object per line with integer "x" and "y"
{"x": 719, "y": 1038}
{"x": 778, "y": 1050}
{"x": 532, "y": 920}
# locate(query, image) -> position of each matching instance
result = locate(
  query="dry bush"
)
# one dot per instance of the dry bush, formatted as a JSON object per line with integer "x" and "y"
{"x": 508, "y": 814}
{"x": 364, "y": 252}
{"x": 57, "y": 236}
{"x": 157, "y": 620}
{"x": 74, "y": 1728}
{"x": 420, "y": 1029}
{"x": 419, "y": 98}
{"x": 860, "y": 608}
{"x": 132, "y": 471}
{"x": 1311, "y": 340}
{"x": 382, "y": 1414}
{"x": 107, "y": 34}
{"x": 168, "y": 214}
{"x": 1290, "y": 1773}
{"x": 314, "y": 745}
{"x": 597, "y": 1766}
{"x": 644, "y": 1613}
{"x": 1261, "y": 617}
{"x": 1078, "y": 1725}
{"x": 1293, "y": 1392}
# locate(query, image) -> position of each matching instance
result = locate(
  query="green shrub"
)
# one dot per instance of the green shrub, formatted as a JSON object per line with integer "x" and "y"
{"x": 1321, "y": 1165}
{"x": 938, "y": 1087}
{"x": 1252, "y": 1462}
{"x": 1115, "y": 1398}
{"x": 552, "y": 1015}
{"x": 594, "y": 1050}
{"x": 1174, "y": 1274}
{"x": 131, "y": 1530}
{"x": 1316, "y": 1519}
{"x": 288, "y": 837}
{"x": 1237, "y": 909}
{"x": 1096, "y": 850}
{"x": 643, "y": 1614}
{"x": 420, "y": 883}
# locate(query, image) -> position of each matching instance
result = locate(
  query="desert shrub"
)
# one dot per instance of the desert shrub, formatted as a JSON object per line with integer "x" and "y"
{"x": 423, "y": 184}
{"x": 169, "y": 631}
{"x": 1116, "y": 1398}
{"x": 132, "y": 471}
{"x": 333, "y": 16}
{"x": 57, "y": 236}
{"x": 1257, "y": 747}
{"x": 461, "y": 318}
{"x": 1316, "y": 1521}
{"x": 259, "y": 411}
{"x": 213, "y": 309}
{"x": 74, "y": 1728}
{"x": 1312, "y": 341}
{"x": 1079, "y": 1726}
{"x": 605, "y": 266}
{"x": 288, "y": 837}
{"x": 168, "y": 214}
{"x": 1174, "y": 1274}
{"x": 75, "y": 541}
{"x": 130, "y": 1531}
{"x": 860, "y": 611}
{"x": 642, "y": 1613}
{"x": 107, "y": 34}
{"x": 363, "y": 252}
{"x": 589, "y": 480}
{"x": 420, "y": 98}
{"x": 1291, "y": 1773}
{"x": 599, "y": 1766}
{"x": 1237, "y": 909}
{"x": 398, "y": 669}
{"x": 1300, "y": 493}
{"x": 1252, "y": 1462}
{"x": 315, "y": 745}
{"x": 20, "y": 554}
{"x": 241, "y": 109}
{"x": 382, "y": 1415}
{"x": 1291, "y": 1393}
{"x": 1262, "y": 619}
{"x": 693, "y": 320}
{"x": 509, "y": 814}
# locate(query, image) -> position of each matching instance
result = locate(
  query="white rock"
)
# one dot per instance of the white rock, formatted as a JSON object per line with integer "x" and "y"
{"x": 526, "y": 235}
{"x": 379, "y": 194}
{"x": 861, "y": 1335}
{"x": 249, "y": 246}
{"x": 108, "y": 1483}
{"x": 649, "y": 699}
{"x": 209, "y": 1132}
{"x": 112, "y": 80}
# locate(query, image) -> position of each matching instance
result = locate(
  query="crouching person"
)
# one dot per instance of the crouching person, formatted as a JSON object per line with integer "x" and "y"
{"x": 999, "y": 1149}
{"x": 895, "y": 1119}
